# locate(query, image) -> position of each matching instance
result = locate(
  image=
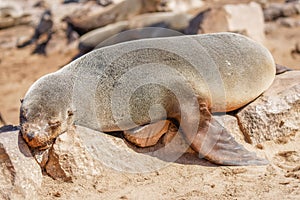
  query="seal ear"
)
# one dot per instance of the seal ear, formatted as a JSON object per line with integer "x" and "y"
{"x": 70, "y": 114}
{"x": 221, "y": 148}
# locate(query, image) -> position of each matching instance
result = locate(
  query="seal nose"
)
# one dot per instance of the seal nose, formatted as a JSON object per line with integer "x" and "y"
{"x": 30, "y": 136}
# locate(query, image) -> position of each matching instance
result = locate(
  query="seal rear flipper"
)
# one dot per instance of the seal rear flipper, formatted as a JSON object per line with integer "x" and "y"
{"x": 215, "y": 143}
{"x": 281, "y": 69}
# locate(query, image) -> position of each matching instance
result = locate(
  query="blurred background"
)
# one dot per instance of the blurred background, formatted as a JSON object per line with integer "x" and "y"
{"x": 40, "y": 36}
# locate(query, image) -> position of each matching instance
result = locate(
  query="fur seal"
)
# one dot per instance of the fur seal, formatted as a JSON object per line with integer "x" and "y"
{"x": 136, "y": 84}
{"x": 115, "y": 12}
{"x": 90, "y": 40}
{"x": 174, "y": 21}
{"x": 43, "y": 28}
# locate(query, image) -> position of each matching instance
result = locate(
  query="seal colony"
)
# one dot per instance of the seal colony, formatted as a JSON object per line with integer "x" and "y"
{"x": 141, "y": 87}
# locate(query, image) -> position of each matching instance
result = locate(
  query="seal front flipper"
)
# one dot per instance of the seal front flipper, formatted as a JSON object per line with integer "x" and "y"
{"x": 147, "y": 135}
{"x": 220, "y": 147}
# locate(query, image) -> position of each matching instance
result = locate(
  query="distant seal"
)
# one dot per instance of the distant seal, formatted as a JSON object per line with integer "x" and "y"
{"x": 43, "y": 28}
{"x": 83, "y": 22}
{"x": 90, "y": 40}
{"x": 174, "y": 21}
{"x": 135, "y": 85}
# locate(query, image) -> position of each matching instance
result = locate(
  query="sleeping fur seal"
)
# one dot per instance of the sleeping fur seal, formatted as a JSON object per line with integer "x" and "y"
{"x": 135, "y": 85}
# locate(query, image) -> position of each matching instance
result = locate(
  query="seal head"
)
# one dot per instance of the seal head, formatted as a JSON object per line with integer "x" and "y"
{"x": 47, "y": 113}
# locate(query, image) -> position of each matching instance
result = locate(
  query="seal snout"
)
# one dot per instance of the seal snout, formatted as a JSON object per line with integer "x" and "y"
{"x": 30, "y": 136}
{"x": 36, "y": 134}
{"x": 41, "y": 132}
{"x": 30, "y": 132}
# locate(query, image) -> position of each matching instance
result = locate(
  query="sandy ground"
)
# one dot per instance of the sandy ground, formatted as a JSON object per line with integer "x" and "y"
{"x": 19, "y": 69}
{"x": 279, "y": 180}
{"x": 196, "y": 180}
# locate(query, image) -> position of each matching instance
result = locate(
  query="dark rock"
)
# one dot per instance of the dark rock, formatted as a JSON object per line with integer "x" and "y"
{"x": 296, "y": 50}
{"x": 289, "y": 9}
{"x": 194, "y": 24}
{"x": 72, "y": 1}
{"x": 104, "y": 2}
{"x": 2, "y": 122}
{"x": 273, "y": 12}
{"x": 7, "y": 128}
{"x": 277, "y": 10}
{"x": 288, "y": 22}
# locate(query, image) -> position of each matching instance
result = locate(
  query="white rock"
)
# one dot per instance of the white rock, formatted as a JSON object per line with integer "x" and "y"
{"x": 68, "y": 159}
{"x": 85, "y": 153}
{"x": 276, "y": 113}
{"x": 242, "y": 18}
{"x": 20, "y": 175}
{"x": 183, "y": 5}
{"x": 246, "y": 17}
{"x": 231, "y": 124}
